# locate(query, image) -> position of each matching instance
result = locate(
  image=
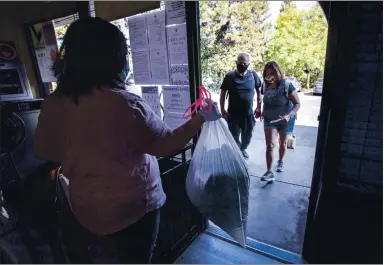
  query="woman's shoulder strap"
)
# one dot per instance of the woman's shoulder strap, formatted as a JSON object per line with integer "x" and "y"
{"x": 287, "y": 83}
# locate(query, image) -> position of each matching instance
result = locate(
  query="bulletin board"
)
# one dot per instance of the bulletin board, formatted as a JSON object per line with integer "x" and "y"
{"x": 45, "y": 48}
{"x": 159, "y": 51}
{"x": 14, "y": 84}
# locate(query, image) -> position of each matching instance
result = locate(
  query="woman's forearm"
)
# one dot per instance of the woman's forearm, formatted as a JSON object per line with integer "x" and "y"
{"x": 178, "y": 139}
{"x": 294, "y": 97}
{"x": 294, "y": 110}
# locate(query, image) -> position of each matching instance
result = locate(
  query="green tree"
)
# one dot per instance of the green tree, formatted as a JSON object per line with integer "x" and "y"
{"x": 284, "y": 4}
{"x": 299, "y": 42}
{"x": 60, "y": 33}
{"x": 227, "y": 28}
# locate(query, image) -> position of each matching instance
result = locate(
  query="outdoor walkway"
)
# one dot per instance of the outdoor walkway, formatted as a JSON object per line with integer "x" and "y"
{"x": 277, "y": 214}
{"x": 278, "y": 211}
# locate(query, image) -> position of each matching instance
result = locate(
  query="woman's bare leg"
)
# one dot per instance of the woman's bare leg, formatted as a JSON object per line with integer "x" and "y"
{"x": 283, "y": 145}
{"x": 270, "y": 139}
{"x": 282, "y": 150}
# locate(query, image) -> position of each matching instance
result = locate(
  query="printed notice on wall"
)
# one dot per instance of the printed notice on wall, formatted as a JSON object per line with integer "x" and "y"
{"x": 141, "y": 68}
{"x": 10, "y": 82}
{"x": 138, "y": 33}
{"x": 159, "y": 67}
{"x": 45, "y": 46}
{"x": 176, "y": 101}
{"x": 178, "y": 58}
{"x": 151, "y": 95}
{"x": 176, "y": 98}
{"x": 156, "y": 30}
{"x": 175, "y": 12}
{"x": 45, "y": 57}
{"x": 179, "y": 75}
{"x": 174, "y": 120}
{"x": 177, "y": 39}
{"x": 177, "y": 44}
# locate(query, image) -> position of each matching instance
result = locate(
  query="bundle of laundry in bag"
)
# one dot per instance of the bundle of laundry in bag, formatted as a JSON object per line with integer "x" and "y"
{"x": 218, "y": 181}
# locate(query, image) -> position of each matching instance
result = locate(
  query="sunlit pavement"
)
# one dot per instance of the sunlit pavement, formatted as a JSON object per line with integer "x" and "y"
{"x": 277, "y": 213}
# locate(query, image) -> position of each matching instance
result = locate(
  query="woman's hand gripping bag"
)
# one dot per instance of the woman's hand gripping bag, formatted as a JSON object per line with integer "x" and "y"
{"x": 218, "y": 180}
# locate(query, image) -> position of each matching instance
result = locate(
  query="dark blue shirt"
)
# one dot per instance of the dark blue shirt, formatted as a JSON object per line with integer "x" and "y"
{"x": 241, "y": 91}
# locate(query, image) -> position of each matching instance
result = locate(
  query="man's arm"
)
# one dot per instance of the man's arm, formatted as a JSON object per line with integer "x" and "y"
{"x": 259, "y": 99}
{"x": 223, "y": 93}
{"x": 222, "y": 100}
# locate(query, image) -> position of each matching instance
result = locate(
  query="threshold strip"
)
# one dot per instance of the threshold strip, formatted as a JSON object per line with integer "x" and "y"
{"x": 272, "y": 252}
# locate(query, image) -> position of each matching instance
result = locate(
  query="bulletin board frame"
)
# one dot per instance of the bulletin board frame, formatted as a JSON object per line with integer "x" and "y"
{"x": 26, "y": 92}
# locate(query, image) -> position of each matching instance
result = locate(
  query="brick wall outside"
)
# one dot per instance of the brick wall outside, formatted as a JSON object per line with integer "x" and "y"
{"x": 361, "y": 163}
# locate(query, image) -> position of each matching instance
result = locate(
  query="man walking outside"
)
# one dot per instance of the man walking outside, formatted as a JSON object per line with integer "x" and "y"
{"x": 240, "y": 85}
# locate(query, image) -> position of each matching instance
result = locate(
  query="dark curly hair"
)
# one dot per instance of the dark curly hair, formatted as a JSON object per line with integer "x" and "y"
{"x": 93, "y": 53}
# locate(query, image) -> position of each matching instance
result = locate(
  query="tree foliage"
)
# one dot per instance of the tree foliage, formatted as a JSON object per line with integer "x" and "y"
{"x": 299, "y": 41}
{"x": 227, "y": 28}
{"x": 230, "y": 27}
{"x": 60, "y": 32}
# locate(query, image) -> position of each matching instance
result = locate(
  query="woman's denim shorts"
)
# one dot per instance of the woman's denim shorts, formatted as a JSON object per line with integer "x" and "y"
{"x": 281, "y": 127}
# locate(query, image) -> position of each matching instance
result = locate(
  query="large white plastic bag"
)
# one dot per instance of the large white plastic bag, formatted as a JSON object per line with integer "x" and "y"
{"x": 218, "y": 180}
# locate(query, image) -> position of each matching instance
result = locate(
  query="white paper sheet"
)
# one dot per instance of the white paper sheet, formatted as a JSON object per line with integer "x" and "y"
{"x": 151, "y": 95}
{"x": 159, "y": 67}
{"x": 177, "y": 44}
{"x": 138, "y": 33}
{"x": 175, "y": 12}
{"x": 45, "y": 63}
{"x": 178, "y": 58}
{"x": 179, "y": 75}
{"x": 141, "y": 68}
{"x": 275, "y": 121}
{"x": 176, "y": 98}
{"x": 174, "y": 120}
{"x": 177, "y": 39}
{"x": 156, "y": 30}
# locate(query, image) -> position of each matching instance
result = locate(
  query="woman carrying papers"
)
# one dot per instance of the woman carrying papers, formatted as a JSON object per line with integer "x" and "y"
{"x": 280, "y": 105}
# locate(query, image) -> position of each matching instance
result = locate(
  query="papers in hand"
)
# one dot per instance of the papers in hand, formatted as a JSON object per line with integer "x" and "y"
{"x": 275, "y": 121}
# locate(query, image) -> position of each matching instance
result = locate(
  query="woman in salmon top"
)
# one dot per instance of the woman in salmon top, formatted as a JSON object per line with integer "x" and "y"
{"x": 107, "y": 140}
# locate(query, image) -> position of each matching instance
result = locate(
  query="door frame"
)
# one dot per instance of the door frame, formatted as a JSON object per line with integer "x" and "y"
{"x": 332, "y": 109}
{"x": 194, "y": 63}
{"x": 332, "y": 114}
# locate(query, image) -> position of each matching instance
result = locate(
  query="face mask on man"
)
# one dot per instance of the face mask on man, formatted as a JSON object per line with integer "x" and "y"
{"x": 242, "y": 68}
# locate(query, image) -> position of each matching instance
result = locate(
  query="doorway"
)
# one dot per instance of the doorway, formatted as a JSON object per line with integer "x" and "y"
{"x": 278, "y": 211}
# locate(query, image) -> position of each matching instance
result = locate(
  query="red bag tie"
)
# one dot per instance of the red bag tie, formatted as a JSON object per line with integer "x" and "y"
{"x": 203, "y": 94}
